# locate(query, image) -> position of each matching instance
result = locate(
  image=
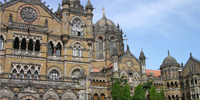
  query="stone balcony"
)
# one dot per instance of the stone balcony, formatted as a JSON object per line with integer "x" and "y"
{"x": 26, "y": 52}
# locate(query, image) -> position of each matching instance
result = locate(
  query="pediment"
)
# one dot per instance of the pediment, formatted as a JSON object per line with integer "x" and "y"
{"x": 50, "y": 93}
{"x": 29, "y": 89}
{"x": 128, "y": 54}
{"x": 69, "y": 94}
{"x": 32, "y": 2}
{"x": 7, "y": 92}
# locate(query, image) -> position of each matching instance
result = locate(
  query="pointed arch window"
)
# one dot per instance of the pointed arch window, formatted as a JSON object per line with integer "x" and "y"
{"x": 58, "y": 49}
{"x": 30, "y": 45}
{"x": 77, "y": 50}
{"x": 16, "y": 43}
{"x": 50, "y": 48}
{"x": 37, "y": 45}
{"x": 1, "y": 42}
{"x": 23, "y": 44}
{"x": 77, "y": 29}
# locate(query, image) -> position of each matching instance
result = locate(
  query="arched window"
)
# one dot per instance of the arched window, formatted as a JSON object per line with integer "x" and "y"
{"x": 77, "y": 50}
{"x": 37, "y": 45}
{"x": 58, "y": 49}
{"x": 77, "y": 29}
{"x": 168, "y": 85}
{"x": 102, "y": 97}
{"x": 50, "y": 48}
{"x": 23, "y": 44}
{"x": 188, "y": 96}
{"x": 21, "y": 74}
{"x": 16, "y": 43}
{"x": 1, "y": 42}
{"x": 169, "y": 97}
{"x": 168, "y": 72}
{"x": 54, "y": 75}
{"x": 30, "y": 44}
{"x": 95, "y": 97}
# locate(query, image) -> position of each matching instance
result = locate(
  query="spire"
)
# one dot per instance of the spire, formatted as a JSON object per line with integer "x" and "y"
{"x": 89, "y": 5}
{"x": 103, "y": 11}
{"x": 59, "y": 11}
{"x": 168, "y": 53}
{"x": 142, "y": 56}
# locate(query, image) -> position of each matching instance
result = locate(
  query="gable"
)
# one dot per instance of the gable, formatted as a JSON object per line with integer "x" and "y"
{"x": 7, "y": 92}
{"x": 36, "y": 3}
{"x": 50, "y": 94}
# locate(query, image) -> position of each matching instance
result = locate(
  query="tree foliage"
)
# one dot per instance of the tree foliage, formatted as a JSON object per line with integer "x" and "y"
{"x": 147, "y": 86}
{"x": 139, "y": 93}
{"x": 162, "y": 95}
{"x": 116, "y": 92}
{"x": 126, "y": 93}
{"x": 152, "y": 93}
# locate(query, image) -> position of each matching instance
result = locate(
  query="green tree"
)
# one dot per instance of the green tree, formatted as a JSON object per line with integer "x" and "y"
{"x": 126, "y": 93}
{"x": 121, "y": 81}
{"x": 162, "y": 95}
{"x": 116, "y": 91}
{"x": 139, "y": 93}
{"x": 152, "y": 94}
{"x": 147, "y": 86}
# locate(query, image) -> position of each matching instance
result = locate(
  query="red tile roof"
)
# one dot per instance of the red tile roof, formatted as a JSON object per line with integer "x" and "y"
{"x": 157, "y": 73}
{"x": 95, "y": 70}
{"x": 109, "y": 65}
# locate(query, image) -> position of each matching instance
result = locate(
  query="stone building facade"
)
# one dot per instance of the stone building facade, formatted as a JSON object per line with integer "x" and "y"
{"x": 62, "y": 55}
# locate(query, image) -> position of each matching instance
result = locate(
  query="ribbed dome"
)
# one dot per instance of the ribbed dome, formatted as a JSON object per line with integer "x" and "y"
{"x": 169, "y": 60}
{"x": 65, "y": 2}
{"x": 105, "y": 21}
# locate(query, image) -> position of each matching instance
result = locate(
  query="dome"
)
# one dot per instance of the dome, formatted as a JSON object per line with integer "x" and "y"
{"x": 104, "y": 21}
{"x": 169, "y": 61}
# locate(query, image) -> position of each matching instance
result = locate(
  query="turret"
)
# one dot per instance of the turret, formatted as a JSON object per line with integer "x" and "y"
{"x": 65, "y": 14}
{"x": 142, "y": 59}
{"x": 115, "y": 62}
{"x": 89, "y": 8}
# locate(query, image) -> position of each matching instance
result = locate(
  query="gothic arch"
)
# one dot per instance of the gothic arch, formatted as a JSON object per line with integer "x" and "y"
{"x": 4, "y": 37}
{"x": 50, "y": 94}
{"x": 6, "y": 92}
{"x": 72, "y": 69}
{"x": 77, "y": 17}
{"x": 96, "y": 39}
{"x": 52, "y": 41}
{"x": 79, "y": 42}
{"x": 54, "y": 67}
{"x": 68, "y": 94}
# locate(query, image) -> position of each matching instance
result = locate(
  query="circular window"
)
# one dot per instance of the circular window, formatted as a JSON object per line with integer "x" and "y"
{"x": 112, "y": 38}
{"x": 28, "y": 14}
{"x": 100, "y": 38}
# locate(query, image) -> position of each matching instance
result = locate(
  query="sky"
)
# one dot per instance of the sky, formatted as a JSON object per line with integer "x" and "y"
{"x": 156, "y": 26}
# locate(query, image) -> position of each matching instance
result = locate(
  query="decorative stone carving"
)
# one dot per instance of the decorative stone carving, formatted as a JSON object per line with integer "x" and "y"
{"x": 28, "y": 14}
{"x": 81, "y": 95}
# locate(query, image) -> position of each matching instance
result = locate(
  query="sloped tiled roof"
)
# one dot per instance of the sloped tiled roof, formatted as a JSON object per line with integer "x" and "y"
{"x": 95, "y": 70}
{"x": 109, "y": 66}
{"x": 157, "y": 73}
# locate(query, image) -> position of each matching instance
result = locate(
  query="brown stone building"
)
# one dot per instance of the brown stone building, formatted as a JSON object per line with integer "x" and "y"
{"x": 64, "y": 56}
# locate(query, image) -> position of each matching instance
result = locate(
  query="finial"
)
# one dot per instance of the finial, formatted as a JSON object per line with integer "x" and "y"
{"x": 168, "y": 53}
{"x": 190, "y": 54}
{"x": 117, "y": 25}
{"x": 59, "y": 4}
{"x": 127, "y": 47}
{"x": 141, "y": 49}
{"x": 103, "y": 11}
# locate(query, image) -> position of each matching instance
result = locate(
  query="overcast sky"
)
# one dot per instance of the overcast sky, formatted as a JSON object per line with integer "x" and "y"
{"x": 154, "y": 25}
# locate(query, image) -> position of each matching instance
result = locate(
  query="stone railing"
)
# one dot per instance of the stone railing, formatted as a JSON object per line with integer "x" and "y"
{"x": 55, "y": 57}
{"x": 39, "y": 82}
{"x": 26, "y": 52}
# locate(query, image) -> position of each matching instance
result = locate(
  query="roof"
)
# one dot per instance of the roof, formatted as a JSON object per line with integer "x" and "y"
{"x": 157, "y": 73}
{"x": 109, "y": 66}
{"x": 95, "y": 70}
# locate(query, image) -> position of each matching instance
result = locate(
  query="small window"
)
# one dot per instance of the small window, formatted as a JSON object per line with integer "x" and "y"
{"x": 28, "y": 76}
{"x": 21, "y": 76}
{"x": 1, "y": 42}
{"x": 54, "y": 75}
{"x": 14, "y": 76}
{"x": 35, "y": 77}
